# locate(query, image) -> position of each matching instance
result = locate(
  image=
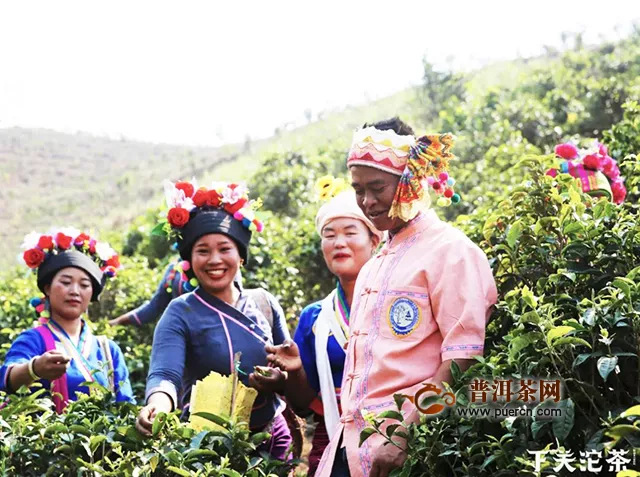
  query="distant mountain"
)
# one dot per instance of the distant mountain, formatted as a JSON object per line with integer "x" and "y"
{"x": 50, "y": 179}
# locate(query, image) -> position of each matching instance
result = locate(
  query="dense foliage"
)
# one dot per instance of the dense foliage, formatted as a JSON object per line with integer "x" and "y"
{"x": 96, "y": 437}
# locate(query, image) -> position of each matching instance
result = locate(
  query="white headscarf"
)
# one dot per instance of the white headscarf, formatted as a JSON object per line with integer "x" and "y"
{"x": 343, "y": 205}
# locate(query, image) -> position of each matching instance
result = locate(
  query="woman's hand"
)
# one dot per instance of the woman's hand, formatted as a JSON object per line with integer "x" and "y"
{"x": 158, "y": 402}
{"x": 121, "y": 320}
{"x": 268, "y": 380}
{"x": 51, "y": 365}
{"x": 285, "y": 356}
{"x": 144, "y": 422}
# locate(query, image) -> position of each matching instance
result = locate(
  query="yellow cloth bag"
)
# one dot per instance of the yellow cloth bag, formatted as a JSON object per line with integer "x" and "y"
{"x": 224, "y": 396}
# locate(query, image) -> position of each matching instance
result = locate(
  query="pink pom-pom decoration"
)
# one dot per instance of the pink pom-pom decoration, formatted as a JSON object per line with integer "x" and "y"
{"x": 593, "y": 161}
{"x": 238, "y": 216}
{"x": 566, "y": 151}
{"x": 259, "y": 225}
{"x": 185, "y": 265}
{"x": 602, "y": 149}
{"x": 40, "y": 308}
{"x": 610, "y": 168}
{"x": 431, "y": 180}
{"x": 444, "y": 176}
{"x": 619, "y": 191}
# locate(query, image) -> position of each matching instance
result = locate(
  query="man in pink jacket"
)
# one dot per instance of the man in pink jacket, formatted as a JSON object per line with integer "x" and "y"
{"x": 420, "y": 303}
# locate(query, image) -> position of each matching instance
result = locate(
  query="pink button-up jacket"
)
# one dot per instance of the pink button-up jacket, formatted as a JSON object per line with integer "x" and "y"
{"x": 423, "y": 299}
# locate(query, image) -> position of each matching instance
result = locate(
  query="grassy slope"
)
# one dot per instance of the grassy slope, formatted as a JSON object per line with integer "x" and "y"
{"x": 334, "y": 130}
{"x": 53, "y": 179}
{"x": 49, "y": 178}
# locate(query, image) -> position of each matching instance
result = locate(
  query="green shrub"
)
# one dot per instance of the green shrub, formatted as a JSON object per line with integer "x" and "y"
{"x": 95, "y": 437}
{"x": 285, "y": 182}
{"x": 286, "y": 258}
{"x": 623, "y": 140}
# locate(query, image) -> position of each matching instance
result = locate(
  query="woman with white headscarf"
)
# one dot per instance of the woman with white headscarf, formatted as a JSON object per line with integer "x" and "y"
{"x": 315, "y": 360}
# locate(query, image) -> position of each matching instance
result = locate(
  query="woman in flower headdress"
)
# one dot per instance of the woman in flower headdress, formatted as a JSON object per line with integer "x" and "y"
{"x": 62, "y": 353}
{"x": 598, "y": 172}
{"x": 315, "y": 360}
{"x": 202, "y": 331}
{"x": 174, "y": 282}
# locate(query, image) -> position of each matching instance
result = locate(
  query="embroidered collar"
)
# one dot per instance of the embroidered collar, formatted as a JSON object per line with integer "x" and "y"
{"x": 341, "y": 308}
{"x": 417, "y": 225}
{"x": 83, "y": 342}
{"x": 249, "y": 323}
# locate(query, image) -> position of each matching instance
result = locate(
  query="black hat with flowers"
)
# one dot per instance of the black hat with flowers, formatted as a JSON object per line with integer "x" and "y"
{"x": 47, "y": 254}
{"x": 223, "y": 208}
{"x": 216, "y": 221}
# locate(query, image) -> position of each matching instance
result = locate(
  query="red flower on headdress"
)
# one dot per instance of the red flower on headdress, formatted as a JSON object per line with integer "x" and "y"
{"x": 178, "y": 217}
{"x": 81, "y": 240}
{"x": 593, "y": 161}
{"x": 235, "y": 207}
{"x": 200, "y": 197}
{"x": 45, "y": 242}
{"x": 113, "y": 262}
{"x": 213, "y": 198}
{"x": 33, "y": 257}
{"x": 63, "y": 241}
{"x": 185, "y": 187}
{"x": 566, "y": 151}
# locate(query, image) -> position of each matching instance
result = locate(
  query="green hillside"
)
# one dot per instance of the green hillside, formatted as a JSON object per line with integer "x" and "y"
{"x": 51, "y": 179}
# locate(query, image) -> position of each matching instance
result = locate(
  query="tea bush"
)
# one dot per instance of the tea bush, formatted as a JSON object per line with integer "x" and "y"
{"x": 95, "y": 437}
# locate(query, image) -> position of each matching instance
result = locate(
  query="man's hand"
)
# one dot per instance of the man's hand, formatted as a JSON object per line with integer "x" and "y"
{"x": 285, "y": 356}
{"x": 385, "y": 459}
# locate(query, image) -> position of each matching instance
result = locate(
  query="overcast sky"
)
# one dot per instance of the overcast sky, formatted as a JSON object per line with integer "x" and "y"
{"x": 206, "y": 72}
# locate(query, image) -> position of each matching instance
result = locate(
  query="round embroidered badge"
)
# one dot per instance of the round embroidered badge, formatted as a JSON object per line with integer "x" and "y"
{"x": 404, "y": 317}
